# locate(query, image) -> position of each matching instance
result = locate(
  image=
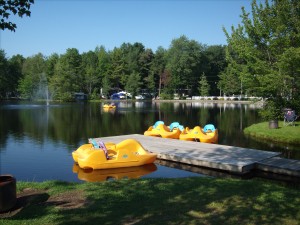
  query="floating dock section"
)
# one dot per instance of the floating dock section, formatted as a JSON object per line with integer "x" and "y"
{"x": 213, "y": 156}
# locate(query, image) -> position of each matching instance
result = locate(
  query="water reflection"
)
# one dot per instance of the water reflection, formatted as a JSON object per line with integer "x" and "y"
{"x": 113, "y": 174}
{"x": 36, "y": 140}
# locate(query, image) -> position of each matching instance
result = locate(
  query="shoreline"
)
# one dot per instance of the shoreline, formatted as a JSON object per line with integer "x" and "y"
{"x": 261, "y": 102}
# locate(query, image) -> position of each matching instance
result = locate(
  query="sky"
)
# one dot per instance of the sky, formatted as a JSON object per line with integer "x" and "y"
{"x": 56, "y": 25}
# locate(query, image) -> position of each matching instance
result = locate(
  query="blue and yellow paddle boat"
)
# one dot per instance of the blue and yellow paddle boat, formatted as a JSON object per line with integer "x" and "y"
{"x": 209, "y": 134}
{"x": 109, "y": 106}
{"x": 159, "y": 129}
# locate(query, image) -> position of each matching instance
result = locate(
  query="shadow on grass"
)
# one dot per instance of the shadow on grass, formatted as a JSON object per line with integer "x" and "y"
{"x": 188, "y": 201}
{"x": 176, "y": 201}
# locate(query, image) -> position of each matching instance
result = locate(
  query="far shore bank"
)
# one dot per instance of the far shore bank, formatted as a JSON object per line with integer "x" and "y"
{"x": 211, "y": 101}
{"x": 259, "y": 103}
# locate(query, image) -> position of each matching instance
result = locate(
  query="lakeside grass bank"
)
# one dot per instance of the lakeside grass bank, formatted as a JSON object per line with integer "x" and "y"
{"x": 284, "y": 134}
{"x": 197, "y": 200}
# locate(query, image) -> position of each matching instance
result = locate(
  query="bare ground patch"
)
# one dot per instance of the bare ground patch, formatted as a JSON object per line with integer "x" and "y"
{"x": 67, "y": 200}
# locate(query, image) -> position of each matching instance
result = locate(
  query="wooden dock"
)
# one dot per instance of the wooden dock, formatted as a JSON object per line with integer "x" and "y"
{"x": 219, "y": 157}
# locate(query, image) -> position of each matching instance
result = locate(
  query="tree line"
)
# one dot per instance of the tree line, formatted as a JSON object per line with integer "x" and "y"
{"x": 261, "y": 58}
{"x": 130, "y": 67}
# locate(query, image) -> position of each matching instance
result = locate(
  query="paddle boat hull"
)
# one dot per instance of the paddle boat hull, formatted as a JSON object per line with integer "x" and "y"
{"x": 198, "y": 134}
{"x": 127, "y": 153}
{"x": 109, "y": 106}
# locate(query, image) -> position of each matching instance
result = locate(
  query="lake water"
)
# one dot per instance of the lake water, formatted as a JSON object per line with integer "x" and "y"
{"x": 37, "y": 140}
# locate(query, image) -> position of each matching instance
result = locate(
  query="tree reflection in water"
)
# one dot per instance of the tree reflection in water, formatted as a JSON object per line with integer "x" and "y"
{"x": 36, "y": 140}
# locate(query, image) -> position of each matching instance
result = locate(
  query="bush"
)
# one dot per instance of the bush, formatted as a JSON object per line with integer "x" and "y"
{"x": 166, "y": 96}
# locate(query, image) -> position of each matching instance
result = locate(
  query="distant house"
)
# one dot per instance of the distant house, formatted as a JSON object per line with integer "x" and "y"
{"x": 120, "y": 95}
{"x": 115, "y": 96}
{"x": 80, "y": 96}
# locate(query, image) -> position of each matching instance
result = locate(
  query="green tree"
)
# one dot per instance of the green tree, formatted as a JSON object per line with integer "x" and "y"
{"x": 133, "y": 84}
{"x": 184, "y": 63}
{"x": 15, "y": 73}
{"x": 50, "y": 64}
{"x": 289, "y": 65}
{"x": 257, "y": 50}
{"x": 158, "y": 66}
{"x": 68, "y": 77}
{"x": 213, "y": 64}
{"x": 34, "y": 80}
{"x": 145, "y": 64}
{"x": 229, "y": 81}
{"x": 3, "y": 74}
{"x": 118, "y": 73}
{"x": 9, "y": 7}
{"x": 90, "y": 73}
{"x": 136, "y": 60}
{"x": 103, "y": 68}
{"x": 204, "y": 87}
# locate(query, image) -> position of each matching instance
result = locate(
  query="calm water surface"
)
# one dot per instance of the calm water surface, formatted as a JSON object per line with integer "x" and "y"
{"x": 36, "y": 140}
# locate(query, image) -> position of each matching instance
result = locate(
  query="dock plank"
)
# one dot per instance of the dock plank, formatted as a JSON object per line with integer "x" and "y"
{"x": 228, "y": 158}
{"x": 280, "y": 165}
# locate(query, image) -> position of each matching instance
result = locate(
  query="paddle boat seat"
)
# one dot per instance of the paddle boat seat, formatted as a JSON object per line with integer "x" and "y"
{"x": 176, "y": 125}
{"x": 97, "y": 144}
{"x": 209, "y": 128}
{"x": 157, "y": 123}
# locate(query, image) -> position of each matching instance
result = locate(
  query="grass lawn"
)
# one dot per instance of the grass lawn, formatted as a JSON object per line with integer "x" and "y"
{"x": 284, "y": 134}
{"x": 194, "y": 200}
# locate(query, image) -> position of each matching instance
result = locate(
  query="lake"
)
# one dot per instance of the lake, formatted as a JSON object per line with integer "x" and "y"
{"x": 37, "y": 140}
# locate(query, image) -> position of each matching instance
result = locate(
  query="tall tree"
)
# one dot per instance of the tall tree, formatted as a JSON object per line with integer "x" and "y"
{"x": 3, "y": 74}
{"x": 134, "y": 61}
{"x": 30, "y": 86}
{"x": 15, "y": 73}
{"x": 204, "y": 87}
{"x": 158, "y": 65}
{"x": 145, "y": 62}
{"x": 229, "y": 81}
{"x": 103, "y": 68}
{"x": 68, "y": 76}
{"x": 133, "y": 84}
{"x": 50, "y": 64}
{"x": 184, "y": 61}
{"x": 118, "y": 71}
{"x": 214, "y": 64}
{"x": 257, "y": 50}
{"x": 90, "y": 75}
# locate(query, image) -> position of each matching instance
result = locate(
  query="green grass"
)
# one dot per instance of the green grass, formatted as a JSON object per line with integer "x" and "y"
{"x": 164, "y": 201}
{"x": 284, "y": 134}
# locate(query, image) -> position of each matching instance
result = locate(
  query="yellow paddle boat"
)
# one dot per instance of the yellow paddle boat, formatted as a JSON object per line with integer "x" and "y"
{"x": 159, "y": 129}
{"x": 209, "y": 134}
{"x": 97, "y": 155}
{"x": 109, "y": 106}
{"x": 135, "y": 172}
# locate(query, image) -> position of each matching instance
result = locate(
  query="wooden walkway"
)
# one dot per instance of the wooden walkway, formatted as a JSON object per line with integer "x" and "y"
{"x": 221, "y": 157}
{"x": 281, "y": 166}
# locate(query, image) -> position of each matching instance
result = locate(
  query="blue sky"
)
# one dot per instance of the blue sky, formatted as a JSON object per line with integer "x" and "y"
{"x": 56, "y": 25}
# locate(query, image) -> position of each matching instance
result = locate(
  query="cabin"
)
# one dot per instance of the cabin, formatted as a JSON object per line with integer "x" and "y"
{"x": 80, "y": 96}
